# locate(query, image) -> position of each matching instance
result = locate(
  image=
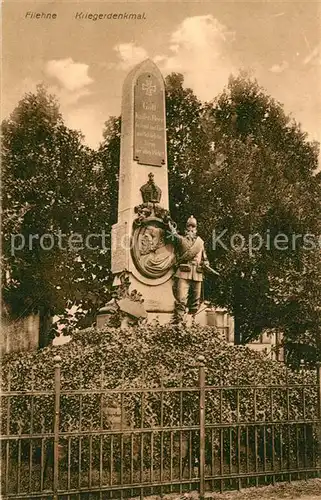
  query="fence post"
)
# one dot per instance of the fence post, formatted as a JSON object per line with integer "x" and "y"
{"x": 319, "y": 412}
{"x": 57, "y": 360}
{"x": 201, "y": 381}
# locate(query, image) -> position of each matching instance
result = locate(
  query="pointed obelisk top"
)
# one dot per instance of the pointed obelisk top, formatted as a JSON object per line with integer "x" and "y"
{"x": 145, "y": 66}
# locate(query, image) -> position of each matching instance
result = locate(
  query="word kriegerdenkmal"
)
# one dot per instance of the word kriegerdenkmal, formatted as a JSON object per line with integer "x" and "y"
{"x": 110, "y": 15}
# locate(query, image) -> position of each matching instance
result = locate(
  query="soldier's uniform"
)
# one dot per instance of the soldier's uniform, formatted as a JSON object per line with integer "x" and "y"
{"x": 189, "y": 274}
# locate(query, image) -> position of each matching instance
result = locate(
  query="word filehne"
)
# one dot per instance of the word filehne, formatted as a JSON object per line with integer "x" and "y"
{"x": 40, "y": 15}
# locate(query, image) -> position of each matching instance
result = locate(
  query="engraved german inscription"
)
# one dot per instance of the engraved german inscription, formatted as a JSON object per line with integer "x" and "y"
{"x": 149, "y": 126}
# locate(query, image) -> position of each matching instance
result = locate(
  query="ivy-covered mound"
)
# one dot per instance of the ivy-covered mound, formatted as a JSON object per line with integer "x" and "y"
{"x": 152, "y": 356}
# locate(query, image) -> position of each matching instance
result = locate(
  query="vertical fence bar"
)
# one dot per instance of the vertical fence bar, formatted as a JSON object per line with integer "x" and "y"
{"x": 221, "y": 459}
{"x": 142, "y": 444}
{"x": 69, "y": 463}
{"x": 264, "y": 451}
{"x": 201, "y": 361}
{"x": 90, "y": 472}
{"x": 319, "y": 414}
{"x": 273, "y": 434}
{"x": 305, "y": 452}
{"x": 79, "y": 460}
{"x": 19, "y": 459}
{"x": 31, "y": 427}
{"x": 122, "y": 422}
{"x": 171, "y": 452}
{"x": 111, "y": 459}
{"x": 131, "y": 460}
{"x": 247, "y": 458}
{"x": 42, "y": 459}
{"x": 190, "y": 445}
{"x": 180, "y": 441}
{"x": 238, "y": 430}
{"x": 6, "y": 489}
{"x": 8, "y": 432}
{"x": 281, "y": 448}
{"x": 152, "y": 458}
{"x": 80, "y": 429}
{"x": 297, "y": 445}
{"x": 57, "y": 360}
{"x": 213, "y": 457}
{"x": 162, "y": 437}
{"x": 273, "y": 452}
{"x": 230, "y": 444}
{"x": 255, "y": 438}
{"x": 221, "y": 430}
{"x": 101, "y": 427}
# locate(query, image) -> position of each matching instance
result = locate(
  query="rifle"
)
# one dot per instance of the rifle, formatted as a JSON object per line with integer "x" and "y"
{"x": 210, "y": 270}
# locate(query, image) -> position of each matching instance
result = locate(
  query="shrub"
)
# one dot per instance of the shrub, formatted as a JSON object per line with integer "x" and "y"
{"x": 151, "y": 356}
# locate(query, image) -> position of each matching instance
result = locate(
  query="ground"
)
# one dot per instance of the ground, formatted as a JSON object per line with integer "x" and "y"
{"x": 298, "y": 490}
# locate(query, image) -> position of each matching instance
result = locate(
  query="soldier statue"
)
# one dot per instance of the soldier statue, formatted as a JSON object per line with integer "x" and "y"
{"x": 191, "y": 262}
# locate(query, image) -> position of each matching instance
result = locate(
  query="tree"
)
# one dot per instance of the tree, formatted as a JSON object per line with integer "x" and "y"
{"x": 108, "y": 159}
{"x": 187, "y": 145}
{"x": 264, "y": 184}
{"x": 51, "y": 193}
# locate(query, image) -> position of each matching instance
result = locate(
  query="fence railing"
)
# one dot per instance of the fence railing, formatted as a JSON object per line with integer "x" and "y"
{"x": 139, "y": 441}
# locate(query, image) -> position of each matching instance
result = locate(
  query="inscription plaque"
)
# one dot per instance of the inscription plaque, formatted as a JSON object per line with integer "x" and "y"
{"x": 149, "y": 122}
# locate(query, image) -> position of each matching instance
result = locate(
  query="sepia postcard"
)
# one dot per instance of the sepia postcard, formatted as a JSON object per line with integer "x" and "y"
{"x": 160, "y": 252}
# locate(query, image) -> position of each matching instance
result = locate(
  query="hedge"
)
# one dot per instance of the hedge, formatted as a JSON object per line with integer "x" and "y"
{"x": 148, "y": 356}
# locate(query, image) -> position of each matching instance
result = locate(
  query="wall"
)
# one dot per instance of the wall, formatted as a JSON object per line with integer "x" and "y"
{"x": 220, "y": 318}
{"x": 19, "y": 335}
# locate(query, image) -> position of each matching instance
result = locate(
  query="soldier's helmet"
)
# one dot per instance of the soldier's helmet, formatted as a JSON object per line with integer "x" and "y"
{"x": 191, "y": 221}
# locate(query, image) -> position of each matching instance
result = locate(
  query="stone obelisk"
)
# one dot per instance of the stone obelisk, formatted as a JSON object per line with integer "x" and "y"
{"x": 142, "y": 175}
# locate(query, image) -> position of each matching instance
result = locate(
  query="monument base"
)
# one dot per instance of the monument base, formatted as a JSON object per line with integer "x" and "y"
{"x": 157, "y": 299}
{"x": 203, "y": 317}
{"x": 163, "y": 318}
{"x": 159, "y": 303}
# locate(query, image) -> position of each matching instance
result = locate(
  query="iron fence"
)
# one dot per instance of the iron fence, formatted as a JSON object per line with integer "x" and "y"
{"x": 140, "y": 441}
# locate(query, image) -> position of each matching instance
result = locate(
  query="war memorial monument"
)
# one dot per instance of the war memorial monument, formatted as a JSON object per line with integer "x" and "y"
{"x": 166, "y": 268}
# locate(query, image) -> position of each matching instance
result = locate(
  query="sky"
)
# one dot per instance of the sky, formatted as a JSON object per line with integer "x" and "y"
{"x": 84, "y": 62}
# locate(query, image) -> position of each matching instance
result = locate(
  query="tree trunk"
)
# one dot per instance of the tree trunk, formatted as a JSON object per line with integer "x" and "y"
{"x": 237, "y": 330}
{"x": 45, "y": 322}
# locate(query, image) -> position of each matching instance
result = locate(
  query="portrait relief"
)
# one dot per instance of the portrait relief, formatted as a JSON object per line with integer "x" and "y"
{"x": 152, "y": 255}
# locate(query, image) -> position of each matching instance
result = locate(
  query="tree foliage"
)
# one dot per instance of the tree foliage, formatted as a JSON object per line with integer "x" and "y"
{"x": 187, "y": 144}
{"x": 265, "y": 184}
{"x": 108, "y": 159}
